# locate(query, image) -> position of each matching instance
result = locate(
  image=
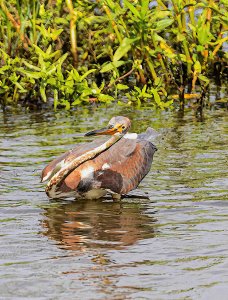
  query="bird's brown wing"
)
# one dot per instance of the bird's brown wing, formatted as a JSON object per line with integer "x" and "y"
{"x": 55, "y": 165}
{"x": 119, "y": 168}
{"x": 128, "y": 163}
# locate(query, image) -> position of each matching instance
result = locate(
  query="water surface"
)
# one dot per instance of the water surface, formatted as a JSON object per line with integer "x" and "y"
{"x": 167, "y": 241}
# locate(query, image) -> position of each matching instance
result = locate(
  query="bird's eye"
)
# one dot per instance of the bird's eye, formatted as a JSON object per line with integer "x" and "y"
{"x": 123, "y": 127}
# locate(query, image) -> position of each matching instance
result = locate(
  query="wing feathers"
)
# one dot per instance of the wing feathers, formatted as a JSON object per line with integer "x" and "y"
{"x": 119, "y": 169}
{"x": 131, "y": 166}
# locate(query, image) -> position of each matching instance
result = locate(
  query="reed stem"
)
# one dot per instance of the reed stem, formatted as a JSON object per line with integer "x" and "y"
{"x": 14, "y": 23}
{"x": 73, "y": 32}
{"x": 113, "y": 23}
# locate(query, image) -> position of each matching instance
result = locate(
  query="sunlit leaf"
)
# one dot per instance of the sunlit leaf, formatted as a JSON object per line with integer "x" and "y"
{"x": 162, "y": 24}
{"x": 21, "y": 88}
{"x": 35, "y": 75}
{"x": 86, "y": 74}
{"x": 30, "y": 66}
{"x": 197, "y": 67}
{"x": 122, "y": 86}
{"x": 204, "y": 35}
{"x": 43, "y": 92}
{"x": 161, "y": 14}
{"x": 105, "y": 98}
{"x": 112, "y": 65}
{"x": 132, "y": 8}
{"x": 61, "y": 59}
{"x": 180, "y": 37}
{"x": 124, "y": 47}
{"x": 157, "y": 97}
{"x": 56, "y": 33}
{"x": 144, "y": 8}
{"x": 204, "y": 78}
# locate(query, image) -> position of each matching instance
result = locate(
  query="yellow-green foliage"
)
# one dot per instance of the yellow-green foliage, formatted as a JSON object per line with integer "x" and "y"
{"x": 75, "y": 52}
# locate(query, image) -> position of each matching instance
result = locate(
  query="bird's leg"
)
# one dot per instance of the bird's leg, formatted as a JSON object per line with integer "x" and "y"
{"x": 116, "y": 197}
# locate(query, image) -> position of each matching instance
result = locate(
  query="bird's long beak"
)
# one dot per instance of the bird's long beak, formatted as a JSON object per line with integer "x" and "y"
{"x": 103, "y": 131}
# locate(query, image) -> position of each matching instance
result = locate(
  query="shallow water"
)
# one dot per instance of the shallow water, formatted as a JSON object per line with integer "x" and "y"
{"x": 168, "y": 240}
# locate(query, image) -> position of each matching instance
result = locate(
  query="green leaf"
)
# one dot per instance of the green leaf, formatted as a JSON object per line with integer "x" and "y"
{"x": 197, "y": 67}
{"x": 61, "y": 59}
{"x": 122, "y": 86}
{"x": 43, "y": 93}
{"x": 124, "y": 47}
{"x": 3, "y": 69}
{"x": 157, "y": 97}
{"x": 199, "y": 48}
{"x": 192, "y": 27}
{"x": 162, "y": 14}
{"x": 204, "y": 78}
{"x": 75, "y": 75}
{"x": 86, "y": 92}
{"x": 20, "y": 87}
{"x": 111, "y": 4}
{"x": 38, "y": 50}
{"x": 167, "y": 104}
{"x": 94, "y": 19}
{"x": 105, "y": 98}
{"x": 162, "y": 24}
{"x": 137, "y": 89}
{"x": 42, "y": 63}
{"x": 51, "y": 70}
{"x": 112, "y": 65}
{"x": 51, "y": 81}
{"x": 61, "y": 21}
{"x": 183, "y": 57}
{"x": 30, "y": 66}
{"x": 76, "y": 102}
{"x": 35, "y": 75}
{"x": 144, "y": 8}
{"x": 67, "y": 104}
{"x": 86, "y": 74}
{"x": 59, "y": 73}
{"x": 49, "y": 50}
{"x": 46, "y": 55}
{"x": 157, "y": 37}
{"x": 180, "y": 37}
{"x": 55, "y": 34}
{"x": 204, "y": 35}
{"x": 144, "y": 89}
{"x": 157, "y": 81}
{"x": 132, "y": 8}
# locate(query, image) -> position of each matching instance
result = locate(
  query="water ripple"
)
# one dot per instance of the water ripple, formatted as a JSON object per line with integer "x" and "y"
{"x": 171, "y": 244}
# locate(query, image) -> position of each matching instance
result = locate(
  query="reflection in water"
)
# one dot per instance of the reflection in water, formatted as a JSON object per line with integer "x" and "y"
{"x": 85, "y": 224}
{"x": 173, "y": 246}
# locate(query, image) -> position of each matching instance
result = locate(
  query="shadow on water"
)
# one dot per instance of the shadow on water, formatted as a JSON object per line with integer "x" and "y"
{"x": 86, "y": 224}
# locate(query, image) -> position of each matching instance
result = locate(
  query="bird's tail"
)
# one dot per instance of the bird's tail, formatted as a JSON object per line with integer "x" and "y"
{"x": 149, "y": 135}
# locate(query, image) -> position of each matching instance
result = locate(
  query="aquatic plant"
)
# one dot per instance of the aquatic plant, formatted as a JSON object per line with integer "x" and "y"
{"x": 69, "y": 53}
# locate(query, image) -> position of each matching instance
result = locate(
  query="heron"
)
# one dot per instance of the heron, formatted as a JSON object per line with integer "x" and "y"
{"x": 91, "y": 170}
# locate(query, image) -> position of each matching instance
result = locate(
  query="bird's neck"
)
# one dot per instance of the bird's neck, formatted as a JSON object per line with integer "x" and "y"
{"x": 59, "y": 177}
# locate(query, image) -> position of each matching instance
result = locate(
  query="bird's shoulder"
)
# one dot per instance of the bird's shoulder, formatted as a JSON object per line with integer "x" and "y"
{"x": 124, "y": 165}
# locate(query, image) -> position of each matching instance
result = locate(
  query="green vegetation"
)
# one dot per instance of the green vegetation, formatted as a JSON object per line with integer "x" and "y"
{"x": 71, "y": 53}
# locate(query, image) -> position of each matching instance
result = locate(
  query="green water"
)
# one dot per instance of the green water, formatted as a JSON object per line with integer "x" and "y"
{"x": 171, "y": 244}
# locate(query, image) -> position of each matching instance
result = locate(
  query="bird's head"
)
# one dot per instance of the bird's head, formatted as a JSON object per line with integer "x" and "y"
{"x": 117, "y": 126}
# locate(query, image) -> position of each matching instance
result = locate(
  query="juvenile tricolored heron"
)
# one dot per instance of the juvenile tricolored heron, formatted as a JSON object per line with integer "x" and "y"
{"x": 90, "y": 170}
